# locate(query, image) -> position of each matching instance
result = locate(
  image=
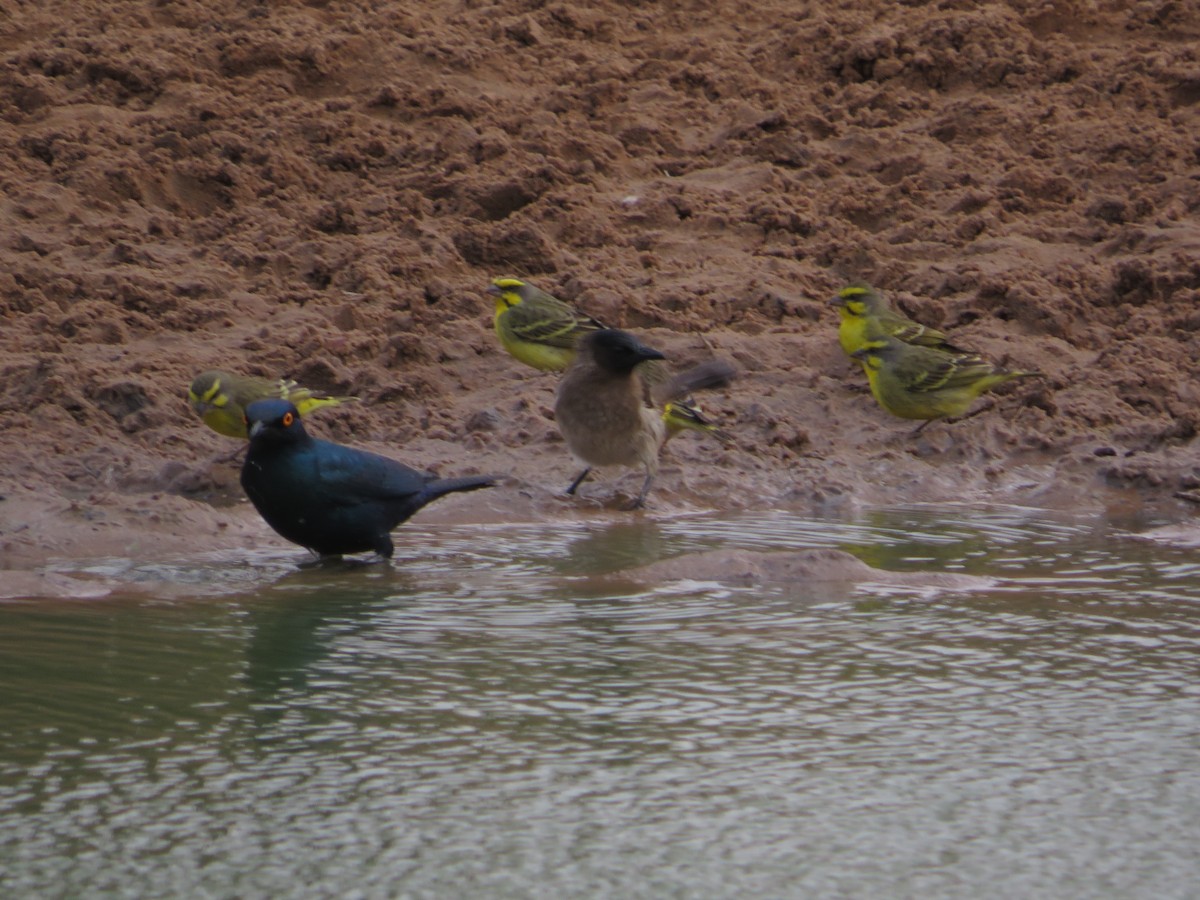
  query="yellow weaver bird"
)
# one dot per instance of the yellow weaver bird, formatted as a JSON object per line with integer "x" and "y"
{"x": 684, "y": 415}
{"x": 542, "y": 331}
{"x": 536, "y": 328}
{"x": 860, "y": 306}
{"x": 924, "y": 382}
{"x": 221, "y": 398}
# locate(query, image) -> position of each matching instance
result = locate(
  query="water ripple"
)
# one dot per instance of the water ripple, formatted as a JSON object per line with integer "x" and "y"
{"x": 492, "y": 716}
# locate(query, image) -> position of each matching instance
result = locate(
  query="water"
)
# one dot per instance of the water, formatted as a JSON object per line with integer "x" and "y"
{"x": 493, "y": 717}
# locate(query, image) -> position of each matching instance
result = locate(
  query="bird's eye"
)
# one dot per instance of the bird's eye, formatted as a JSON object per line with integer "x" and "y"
{"x": 288, "y": 419}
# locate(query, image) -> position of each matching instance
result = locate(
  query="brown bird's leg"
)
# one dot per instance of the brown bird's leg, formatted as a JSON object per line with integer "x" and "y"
{"x": 917, "y": 430}
{"x": 578, "y": 481}
{"x": 641, "y": 497}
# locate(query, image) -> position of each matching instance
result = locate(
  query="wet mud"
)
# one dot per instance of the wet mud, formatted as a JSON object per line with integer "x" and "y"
{"x": 324, "y": 190}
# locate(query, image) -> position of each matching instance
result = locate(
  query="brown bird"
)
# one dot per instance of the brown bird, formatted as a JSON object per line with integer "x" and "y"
{"x": 540, "y": 330}
{"x": 601, "y": 408}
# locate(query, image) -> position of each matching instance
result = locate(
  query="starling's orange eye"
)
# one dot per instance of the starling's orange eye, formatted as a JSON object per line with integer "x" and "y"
{"x": 288, "y": 419}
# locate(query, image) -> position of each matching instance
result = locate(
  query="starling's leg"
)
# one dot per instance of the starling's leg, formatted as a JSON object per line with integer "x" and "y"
{"x": 384, "y": 546}
{"x": 320, "y": 559}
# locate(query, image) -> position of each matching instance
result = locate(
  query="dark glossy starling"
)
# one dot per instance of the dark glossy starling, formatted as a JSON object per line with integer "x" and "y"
{"x": 327, "y": 497}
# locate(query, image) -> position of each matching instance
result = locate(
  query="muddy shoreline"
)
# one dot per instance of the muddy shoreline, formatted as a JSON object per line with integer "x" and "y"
{"x": 325, "y": 191}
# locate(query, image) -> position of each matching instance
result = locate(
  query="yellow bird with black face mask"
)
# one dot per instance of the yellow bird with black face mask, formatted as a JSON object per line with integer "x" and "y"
{"x": 221, "y": 398}
{"x": 537, "y": 328}
{"x": 863, "y": 308}
{"x": 924, "y": 382}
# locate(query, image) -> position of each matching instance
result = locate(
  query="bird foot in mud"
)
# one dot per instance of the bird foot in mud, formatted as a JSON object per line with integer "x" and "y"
{"x": 973, "y": 413}
{"x": 335, "y": 561}
{"x": 951, "y": 421}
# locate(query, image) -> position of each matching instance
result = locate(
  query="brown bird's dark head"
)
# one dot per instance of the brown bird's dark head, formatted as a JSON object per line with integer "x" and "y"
{"x": 616, "y": 351}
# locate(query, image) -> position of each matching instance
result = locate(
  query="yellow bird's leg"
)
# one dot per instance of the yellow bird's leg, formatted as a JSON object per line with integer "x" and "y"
{"x": 990, "y": 404}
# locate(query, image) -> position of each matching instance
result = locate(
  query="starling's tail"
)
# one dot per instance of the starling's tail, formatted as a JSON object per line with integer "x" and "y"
{"x": 441, "y": 486}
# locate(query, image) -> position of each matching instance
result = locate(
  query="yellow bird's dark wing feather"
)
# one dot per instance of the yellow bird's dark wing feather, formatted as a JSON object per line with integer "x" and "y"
{"x": 925, "y": 371}
{"x": 554, "y": 325}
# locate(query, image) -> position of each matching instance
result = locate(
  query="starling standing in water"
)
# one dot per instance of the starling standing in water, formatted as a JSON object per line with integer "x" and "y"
{"x": 327, "y": 497}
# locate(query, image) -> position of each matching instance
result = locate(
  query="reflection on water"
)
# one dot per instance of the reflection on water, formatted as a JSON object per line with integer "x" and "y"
{"x": 492, "y": 717}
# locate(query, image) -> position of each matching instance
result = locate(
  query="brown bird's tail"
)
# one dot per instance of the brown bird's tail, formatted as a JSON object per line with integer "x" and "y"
{"x": 707, "y": 376}
{"x": 680, "y": 411}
